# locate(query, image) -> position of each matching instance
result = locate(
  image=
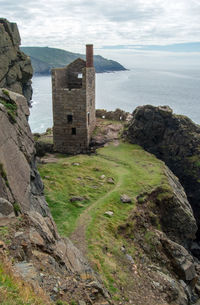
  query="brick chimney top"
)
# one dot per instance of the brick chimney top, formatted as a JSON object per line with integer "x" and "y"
{"x": 89, "y": 55}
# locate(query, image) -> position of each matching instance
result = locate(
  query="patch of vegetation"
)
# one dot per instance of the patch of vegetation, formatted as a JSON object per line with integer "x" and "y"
{"x": 14, "y": 291}
{"x": 17, "y": 209}
{"x": 59, "y": 302}
{"x": 4, "y": 235}
{"x": 11, "y": 108}
{"x": 149, "y": 238}
{"x": 3, "y": 174}
{"x": 4, "y": 232}
{"x": 195, "y": 159}
{"x": 5, "y": 92}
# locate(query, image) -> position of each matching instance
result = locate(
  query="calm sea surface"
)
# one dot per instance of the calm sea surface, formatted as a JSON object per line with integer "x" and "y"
{"x": 180, "y": 89}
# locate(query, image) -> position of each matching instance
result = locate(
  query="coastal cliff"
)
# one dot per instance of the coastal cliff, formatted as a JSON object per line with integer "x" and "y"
{"x": 122, "y": 207}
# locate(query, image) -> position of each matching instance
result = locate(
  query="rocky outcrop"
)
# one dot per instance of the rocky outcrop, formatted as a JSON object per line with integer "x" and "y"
{"x": 173, "y": 209}
{"x": 174, "y": 139}
{"x": 16, "y": 70}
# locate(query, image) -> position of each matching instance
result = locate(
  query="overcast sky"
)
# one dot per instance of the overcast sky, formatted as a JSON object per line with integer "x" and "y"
{"x": 69, "y": 24}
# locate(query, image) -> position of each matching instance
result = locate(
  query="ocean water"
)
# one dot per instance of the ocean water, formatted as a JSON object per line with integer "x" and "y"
{"x": 179, "y": 88}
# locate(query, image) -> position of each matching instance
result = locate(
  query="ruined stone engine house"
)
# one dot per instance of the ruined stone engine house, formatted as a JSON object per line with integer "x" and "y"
{"x": 73, "y": 94}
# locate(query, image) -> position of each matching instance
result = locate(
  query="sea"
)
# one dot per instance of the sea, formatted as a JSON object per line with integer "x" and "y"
{"x": 162, "y": 81}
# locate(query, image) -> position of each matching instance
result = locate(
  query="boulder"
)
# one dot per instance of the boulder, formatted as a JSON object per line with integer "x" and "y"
{"x": 77, "y": 198}
{"x": 110, "y": 181}
{"x": 6, "y": 208}
{"x": 182, "y": 261}
{"x": 109, "y": 213}
{"x": 125, "y": 198}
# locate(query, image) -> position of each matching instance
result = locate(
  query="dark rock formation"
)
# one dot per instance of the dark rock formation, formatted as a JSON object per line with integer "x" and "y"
{"x": 16, "y": 70}
{"x": 174, "y": 139}
{"x": 173, "y": 209}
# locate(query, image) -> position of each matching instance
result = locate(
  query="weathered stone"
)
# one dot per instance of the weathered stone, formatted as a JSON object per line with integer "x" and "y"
{"x": 27, "y": 271}
{"x": 73, "y": 106}
{"x": 109, "y": 213}
{"x": 19, "y": 233}
{"x": 76, "y": 198}
{"x": 129, "y": 258}
{"x": 81, "y": 303}
{"x": 111, "y": 181}
{"x": 125, "y": 198}
{"x": 6, "y": 208}
{"x": 182, "y": 261}
{"x": 36, "y": 238}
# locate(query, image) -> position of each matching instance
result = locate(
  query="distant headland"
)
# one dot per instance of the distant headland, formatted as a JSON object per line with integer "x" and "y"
{"x": 44, "y": 59}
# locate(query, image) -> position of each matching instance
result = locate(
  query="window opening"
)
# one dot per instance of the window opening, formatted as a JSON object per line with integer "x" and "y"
{"x": 69, "y": 118}
{"x": 73, "y": 131}
{"x": 88, "y": 118}
{"x": 80, "y": 75}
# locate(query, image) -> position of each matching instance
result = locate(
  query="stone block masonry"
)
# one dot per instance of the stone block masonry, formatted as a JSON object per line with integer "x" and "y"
{"x": 73, "y": 92}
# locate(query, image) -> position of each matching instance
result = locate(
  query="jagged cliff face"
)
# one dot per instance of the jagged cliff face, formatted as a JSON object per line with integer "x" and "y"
{"x": 16, "y": 70}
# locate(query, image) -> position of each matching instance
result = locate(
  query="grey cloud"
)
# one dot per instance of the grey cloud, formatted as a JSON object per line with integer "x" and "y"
{"x": 64, "y": 23}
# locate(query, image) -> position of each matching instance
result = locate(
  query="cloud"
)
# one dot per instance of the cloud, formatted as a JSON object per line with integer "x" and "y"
{"x": 69, "y": 24}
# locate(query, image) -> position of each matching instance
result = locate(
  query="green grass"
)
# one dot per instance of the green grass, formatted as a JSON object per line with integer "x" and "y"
{"x": 64, "y": 180}
{"x": 134, "y": 172}
{"x": 3, "y": 174}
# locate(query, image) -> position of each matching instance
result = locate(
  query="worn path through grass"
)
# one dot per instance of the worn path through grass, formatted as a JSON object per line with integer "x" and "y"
{"x": 79, "y": 235}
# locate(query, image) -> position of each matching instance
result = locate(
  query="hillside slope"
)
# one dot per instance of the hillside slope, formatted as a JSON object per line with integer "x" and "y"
{"x": 44, "y": 59}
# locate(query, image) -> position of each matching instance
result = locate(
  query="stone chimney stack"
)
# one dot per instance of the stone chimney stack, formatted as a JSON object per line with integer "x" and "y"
{"x": 89, "y": 55}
